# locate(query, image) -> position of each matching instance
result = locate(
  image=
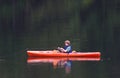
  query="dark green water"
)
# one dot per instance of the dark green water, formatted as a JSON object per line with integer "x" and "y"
{"x": 90, "y": 25}
{"x": 106, "y": 68}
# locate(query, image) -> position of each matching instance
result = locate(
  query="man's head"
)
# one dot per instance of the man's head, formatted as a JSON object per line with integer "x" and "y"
{"x": 67, "y": 42}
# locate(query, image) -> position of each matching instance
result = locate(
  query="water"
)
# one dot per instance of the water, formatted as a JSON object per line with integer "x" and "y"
{"x": 15, "y": 63}
{"x": 59, "y": 68}
{"x": 78, "y": 69}
{"x": 90, "y": 25}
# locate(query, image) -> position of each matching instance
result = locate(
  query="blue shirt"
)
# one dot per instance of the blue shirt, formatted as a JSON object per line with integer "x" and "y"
{"x": 68, "y": 48}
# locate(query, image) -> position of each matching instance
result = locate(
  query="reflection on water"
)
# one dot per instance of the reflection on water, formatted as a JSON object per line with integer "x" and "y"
{"x": 59, "y": 68}
{"x": 65, "y": 63}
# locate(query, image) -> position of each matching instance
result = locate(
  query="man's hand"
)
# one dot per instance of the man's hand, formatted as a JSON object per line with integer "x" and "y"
{"x": 61, "y": 49}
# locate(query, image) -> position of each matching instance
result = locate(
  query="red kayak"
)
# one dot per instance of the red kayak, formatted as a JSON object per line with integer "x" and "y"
{"x": 58, "y": 54}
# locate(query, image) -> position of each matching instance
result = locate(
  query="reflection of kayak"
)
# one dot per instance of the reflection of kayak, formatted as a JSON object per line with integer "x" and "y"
{"x": 51, "y": 60}
{"x": 56, "y": 54}
{"x": 58, "y": 62}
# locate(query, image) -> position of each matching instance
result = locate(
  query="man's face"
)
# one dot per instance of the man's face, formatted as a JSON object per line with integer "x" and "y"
{"x": 66, "y": 44}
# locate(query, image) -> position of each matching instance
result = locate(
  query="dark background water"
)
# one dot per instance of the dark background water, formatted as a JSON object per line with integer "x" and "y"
{"x": 90, "y": 25}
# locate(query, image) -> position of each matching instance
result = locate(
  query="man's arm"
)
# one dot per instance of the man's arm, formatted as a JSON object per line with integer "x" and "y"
{"x": 68, "y": 49}
{"x": 63, "y": 50}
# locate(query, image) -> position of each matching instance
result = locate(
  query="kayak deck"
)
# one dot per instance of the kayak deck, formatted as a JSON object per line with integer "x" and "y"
{"x": 56, "y": 54}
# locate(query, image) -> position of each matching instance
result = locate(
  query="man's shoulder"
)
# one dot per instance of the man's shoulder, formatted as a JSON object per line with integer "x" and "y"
{"x": 70, "y": 46}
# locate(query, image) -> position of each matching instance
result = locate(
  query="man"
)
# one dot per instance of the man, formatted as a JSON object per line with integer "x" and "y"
{"x": 67, "y": 48}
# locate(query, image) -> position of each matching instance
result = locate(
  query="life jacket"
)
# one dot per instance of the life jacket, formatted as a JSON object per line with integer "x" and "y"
{"x": 65, "y": 47}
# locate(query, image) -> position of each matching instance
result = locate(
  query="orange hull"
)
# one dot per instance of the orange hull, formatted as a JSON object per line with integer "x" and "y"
{"x": 56, "y": 54}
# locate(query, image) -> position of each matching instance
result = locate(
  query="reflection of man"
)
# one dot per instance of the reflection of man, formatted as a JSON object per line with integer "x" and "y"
{"x": 66, "y": 65}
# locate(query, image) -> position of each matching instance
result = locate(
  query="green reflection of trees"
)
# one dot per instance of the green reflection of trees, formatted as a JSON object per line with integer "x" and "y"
{"x": 89, "y": 24}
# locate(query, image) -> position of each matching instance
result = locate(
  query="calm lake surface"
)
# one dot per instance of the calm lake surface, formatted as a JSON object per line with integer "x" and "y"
{"x": 16, "y": 64}
{"x": 90, "y": 25}
{"x": 59, "y": 68}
